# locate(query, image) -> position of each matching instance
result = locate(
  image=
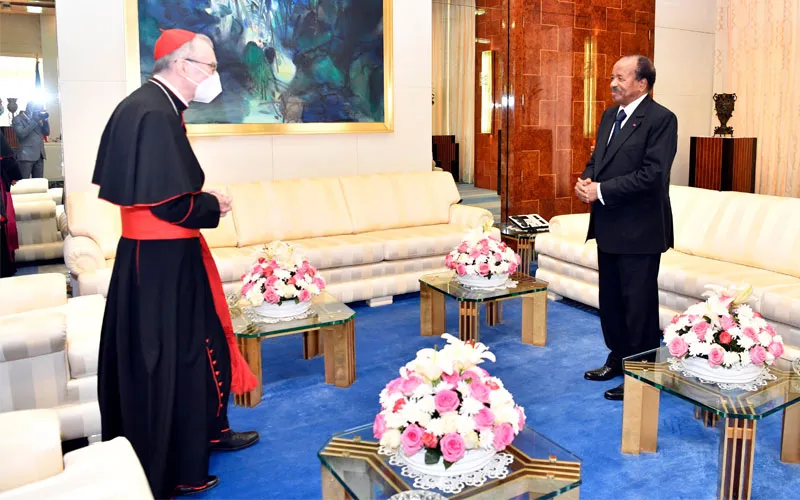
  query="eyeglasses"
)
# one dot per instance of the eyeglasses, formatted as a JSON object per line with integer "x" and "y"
{"x": 213, "y": 66}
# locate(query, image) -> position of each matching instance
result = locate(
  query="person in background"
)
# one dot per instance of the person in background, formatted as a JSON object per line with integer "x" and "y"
{"x": 31, "y": 127}
{"x": 9, "y": 175}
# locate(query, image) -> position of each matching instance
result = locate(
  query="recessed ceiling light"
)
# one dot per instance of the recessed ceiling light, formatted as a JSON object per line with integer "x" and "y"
{"x": 34, "y": 10}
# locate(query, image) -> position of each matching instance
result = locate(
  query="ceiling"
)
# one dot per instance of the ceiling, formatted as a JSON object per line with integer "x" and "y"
{"x": 21, "y": 6}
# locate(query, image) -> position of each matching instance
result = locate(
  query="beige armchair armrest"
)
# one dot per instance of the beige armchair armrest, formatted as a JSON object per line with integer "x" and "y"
{"x": 82, "y": 254}
{"x": 30, "y": 442}
{"x": 27, "y": 293}
{"x": 468, "y": 216}
{"x": 574, "y": 226}
{"x": 93, "y": 282}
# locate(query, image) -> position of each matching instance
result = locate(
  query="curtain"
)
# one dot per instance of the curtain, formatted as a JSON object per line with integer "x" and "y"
{"x": 453, "y": 75}
{"x": 756, "y": 58}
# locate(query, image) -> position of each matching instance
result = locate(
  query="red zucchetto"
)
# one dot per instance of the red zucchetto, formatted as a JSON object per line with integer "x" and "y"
{"x": 170, "y": 41}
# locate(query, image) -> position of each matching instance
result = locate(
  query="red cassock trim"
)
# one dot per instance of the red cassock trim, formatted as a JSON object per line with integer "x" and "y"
{"x": 139, "y": 223}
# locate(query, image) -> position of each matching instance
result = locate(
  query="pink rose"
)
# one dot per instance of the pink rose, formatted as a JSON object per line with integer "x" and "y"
{"x": 485, "y": 249}
{"x": 453, "y": 447}
{"x": 701, "y": 329}
{"x": 472, "y": 374}
{"x": 446, "y": 401}
{"x": 771, "y": 330}
{"x": 512, "y": 268}
{"x": 498, "y": 257}
{"x": 271, "y": 280}
{"x": 758, "y": 355}
{"x": 479, "y": 391}
{"x": 409, "y": 384}
{"x": 451, "y": 379}
{"x": 394, "y": 386}
{"x": 483, "y": 269}
{"x": 716, "y": 356}
{"x": 272, "y": 296}
{"x": 247, "y": 287}
{"x": 776, "y": 349}
{"x": 474, "y": 253}
{"x": 725, "y": 338}
{"x": 484, "y": 419}
{"x": 503, "y": 436}
{"x": 412, "y": 439}
{"x": 304, "y": 296}
{"x": 429, "y": 440}
{"x": 727, "y": 322}
{"x": 678, "y": 347}
{"x": 521, "y": 414}
{"x": 751, "y": 334}
{"x": 675, "y": 318}
{"x": 319, "y": 283}
{"x": 379, "y": 426}
{"x": 461, "y": 269}
{"x": 462, "y": 248}
{"x": 448, "y": 261}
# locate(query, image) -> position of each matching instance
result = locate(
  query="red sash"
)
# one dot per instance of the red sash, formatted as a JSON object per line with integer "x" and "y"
{"x": 139, "y": 223}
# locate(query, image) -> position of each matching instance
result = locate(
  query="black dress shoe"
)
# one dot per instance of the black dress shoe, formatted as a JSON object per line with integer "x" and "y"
{"x": 232, "y": 441}
{"x": 182, "y": 491}
{"x": 611, "y": 369}
{"x": 615, "y": 394}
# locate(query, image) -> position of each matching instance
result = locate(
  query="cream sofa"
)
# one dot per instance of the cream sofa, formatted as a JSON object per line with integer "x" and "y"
{"x": 33, "y": 466}
{"x": 48, "y": 351}
{"x": 37, "y": 213}
{"x": 371, "y": 236}
{"x": 720, "y": 238}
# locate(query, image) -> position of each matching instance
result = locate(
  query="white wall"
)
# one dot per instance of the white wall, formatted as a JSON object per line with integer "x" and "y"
{"x": 684, "y": 59}
{"x": 92, "y": 85}
{"x": 49, "y": 74}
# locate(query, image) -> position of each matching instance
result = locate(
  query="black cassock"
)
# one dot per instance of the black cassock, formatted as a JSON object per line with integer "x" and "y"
{"x": 9, "y": 242}
{"x": 166, "y": 358}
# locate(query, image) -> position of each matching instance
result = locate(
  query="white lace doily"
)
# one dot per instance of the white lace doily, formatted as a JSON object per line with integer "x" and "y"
{"x": 763, "y": 378}
{"x": 507, "y": 284}
{"x": 497, "y": 468}
{"x": 257, "y": 318}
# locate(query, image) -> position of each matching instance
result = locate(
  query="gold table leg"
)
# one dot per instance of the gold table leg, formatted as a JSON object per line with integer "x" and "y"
{"x": 494, "y": 313}
{"x": 534, "y": 318}
{"x": 639, "y": 417}
{"x": 340, "y": 354}
{"x": 468, "y": 324}
{"x": 432, "y": 311}
{"x": 709, "y": 418}
{"x": 331, "y": 488}
{"x": 790, "y": 437}
{"x": 312, "y": 344}
{"x": 251, "y": 351}
{"x": 525, "y": 250}
{"x": 736, "y": 452}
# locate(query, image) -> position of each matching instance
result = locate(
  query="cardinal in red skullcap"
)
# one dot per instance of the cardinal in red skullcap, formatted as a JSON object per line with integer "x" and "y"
{"x": 168, "y": 356}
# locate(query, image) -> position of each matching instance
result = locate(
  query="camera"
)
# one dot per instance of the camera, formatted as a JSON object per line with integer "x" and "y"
{"x": 44, "y": 115}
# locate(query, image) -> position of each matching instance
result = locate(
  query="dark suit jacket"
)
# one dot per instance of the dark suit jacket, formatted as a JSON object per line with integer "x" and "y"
{"x": 634, "y": 172}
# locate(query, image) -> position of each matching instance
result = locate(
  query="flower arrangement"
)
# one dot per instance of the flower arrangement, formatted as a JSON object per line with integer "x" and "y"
{"x": 283, "y": 274}
{"x": 482, "y": 254}
{"x": 446, "y": 405}
{"x": 724, "y": 330}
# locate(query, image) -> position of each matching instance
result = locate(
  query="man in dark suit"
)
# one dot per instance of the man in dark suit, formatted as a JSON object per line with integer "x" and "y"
{"x": 31, "y": 126}
{"x": 626, "y": 181}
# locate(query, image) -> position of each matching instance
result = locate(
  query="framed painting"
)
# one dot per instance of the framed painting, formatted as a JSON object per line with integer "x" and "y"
{"x": 287, "y": 66}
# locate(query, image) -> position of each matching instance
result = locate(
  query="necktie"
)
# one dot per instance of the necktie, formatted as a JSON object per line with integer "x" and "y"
{"x": 618, "y": 124}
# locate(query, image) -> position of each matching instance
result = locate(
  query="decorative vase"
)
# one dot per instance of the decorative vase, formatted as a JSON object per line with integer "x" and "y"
{"x": 286, "y": 309}
{"x": 12, "y": 105}
{"x": 471, "y": 461}
{"x": 496, "y": 280}
{"x": 723, "y": 105}
{"x": 700, "y": 368}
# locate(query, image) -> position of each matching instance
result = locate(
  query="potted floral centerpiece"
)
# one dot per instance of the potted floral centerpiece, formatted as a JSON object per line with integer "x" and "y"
{"x": 282, "y": 283}
{"x": 446, "y": 416}
{"x": 722, "y": 340}
{"x": 482, "y": 260}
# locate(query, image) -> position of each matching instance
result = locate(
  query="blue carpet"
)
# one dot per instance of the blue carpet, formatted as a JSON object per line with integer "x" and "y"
{"x": 299, "y": 411}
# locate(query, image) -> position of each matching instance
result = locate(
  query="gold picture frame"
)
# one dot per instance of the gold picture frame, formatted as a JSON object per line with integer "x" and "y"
{"x": 133, "y": 81}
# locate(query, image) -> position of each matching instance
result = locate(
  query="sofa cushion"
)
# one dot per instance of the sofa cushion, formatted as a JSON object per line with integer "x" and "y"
{"x": 224, "y": 235}
{"x": 782, "y": 303}
{"x": 397, "y": 200}
{"x": 96, "y": 219}
{"x": 568, "y": 249}
{"x": 420, "y": 241}
{"x": 382, "y": 269}
{"x": 344, "y": 250}
{"x": 232, "y": 263}
{"x": 289, "y": 210}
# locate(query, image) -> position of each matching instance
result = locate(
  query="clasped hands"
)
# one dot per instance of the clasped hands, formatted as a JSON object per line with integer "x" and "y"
{"x": 586, "y": 190}
{"x": 224, "y": 200}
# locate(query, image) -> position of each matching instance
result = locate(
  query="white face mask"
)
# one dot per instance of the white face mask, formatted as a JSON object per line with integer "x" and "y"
{"x": 208, "y": 89}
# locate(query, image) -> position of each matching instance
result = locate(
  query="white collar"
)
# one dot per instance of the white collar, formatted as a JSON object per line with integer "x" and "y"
{"x": 630, "y": 108}
{"x": 172, "y": 89}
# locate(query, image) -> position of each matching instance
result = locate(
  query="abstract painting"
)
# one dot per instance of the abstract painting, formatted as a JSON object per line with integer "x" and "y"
{"x": 287, "y": 66}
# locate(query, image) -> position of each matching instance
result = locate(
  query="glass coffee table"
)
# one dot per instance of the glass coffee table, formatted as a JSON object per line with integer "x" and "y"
{"x": 524, "y": 241}
{"x": 353, "y": 468}
{"x": 329, "y": 329}
{"x": 648, "y": 374}
{"x": 435, "y": 287}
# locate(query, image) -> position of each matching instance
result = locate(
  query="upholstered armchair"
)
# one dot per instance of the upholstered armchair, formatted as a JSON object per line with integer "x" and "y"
{"x": 34, "y": 468}
{"x": 48, "y": 351}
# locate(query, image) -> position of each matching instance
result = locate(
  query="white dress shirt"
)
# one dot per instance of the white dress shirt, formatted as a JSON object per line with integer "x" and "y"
{"x": 629, "y": 109}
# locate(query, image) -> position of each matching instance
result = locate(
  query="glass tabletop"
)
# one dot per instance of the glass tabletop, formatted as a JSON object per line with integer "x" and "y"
{"x": 447, "y": 283}
{"x": 513, "y": 231}
{"x": 652, "y": 367}
{"x": 541, "y": 469}
{"x": 325, "y": 310}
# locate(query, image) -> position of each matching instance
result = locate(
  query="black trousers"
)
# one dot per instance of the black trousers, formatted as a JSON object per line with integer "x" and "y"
{"x": 629, "y": 303}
